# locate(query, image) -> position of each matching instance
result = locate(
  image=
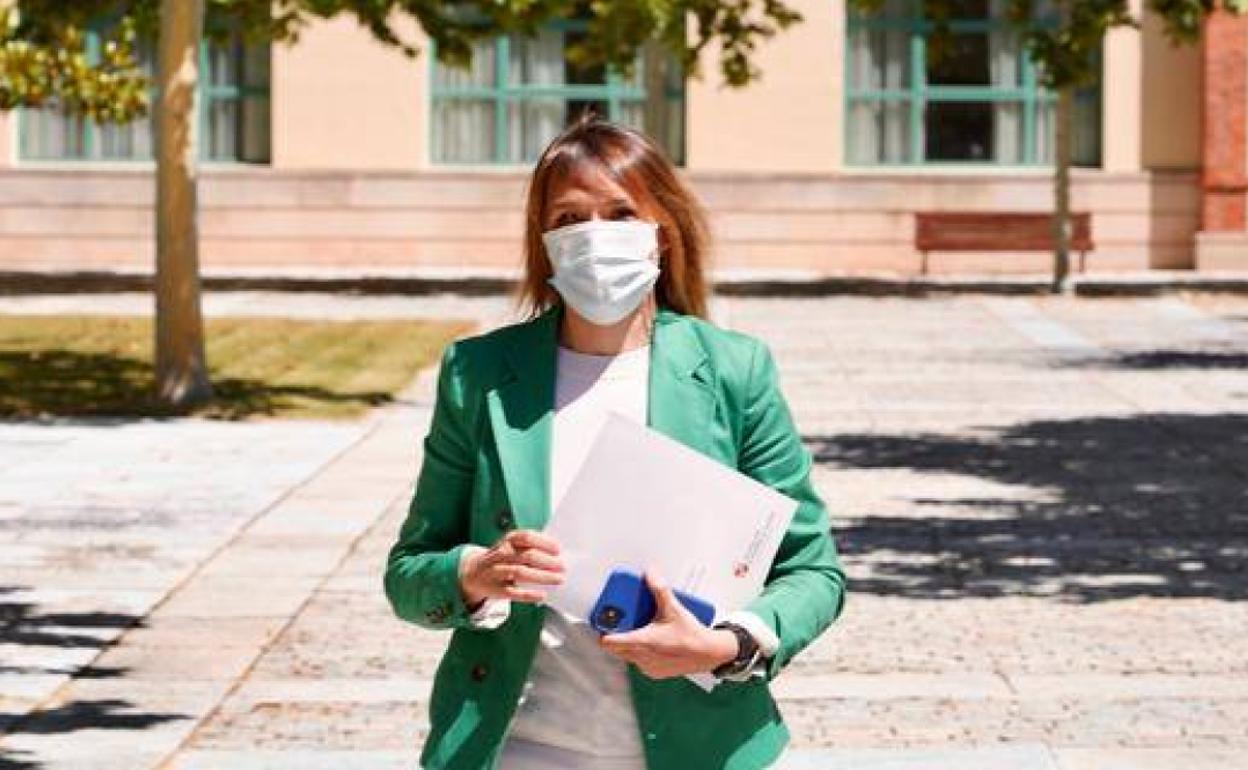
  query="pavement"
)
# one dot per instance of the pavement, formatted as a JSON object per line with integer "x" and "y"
{"x": 1042, "y": 504}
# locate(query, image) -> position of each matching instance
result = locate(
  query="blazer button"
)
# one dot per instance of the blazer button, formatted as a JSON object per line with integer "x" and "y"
{"x": 479, "y": 672}
{"x": 506, "y": 520}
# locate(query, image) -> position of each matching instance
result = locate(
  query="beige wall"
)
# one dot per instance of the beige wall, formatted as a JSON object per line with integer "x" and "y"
{"x": 1121, "y": 98}
{"x": 1170, "y": 84}
{"x": 1151, "y": 102}
{"x": 789, "y": 120}
{"x": 343, "y": 101}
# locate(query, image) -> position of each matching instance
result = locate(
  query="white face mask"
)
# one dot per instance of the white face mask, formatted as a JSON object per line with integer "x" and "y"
{"x": 603, "y": 268}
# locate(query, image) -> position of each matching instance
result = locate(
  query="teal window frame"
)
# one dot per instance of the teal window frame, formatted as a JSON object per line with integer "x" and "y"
{"x": 616, "y": 92}
{"x": 1030, "y": 94}
{"x": 239, "y": 92}
{"x": 207, "y": 96}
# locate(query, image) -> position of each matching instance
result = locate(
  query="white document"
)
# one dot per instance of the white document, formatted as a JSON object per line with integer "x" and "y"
{"x": 643, "y": 500}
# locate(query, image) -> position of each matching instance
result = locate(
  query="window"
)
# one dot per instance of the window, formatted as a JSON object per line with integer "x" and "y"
{"x": 978, "y": 104}
{"x": 234, "y": 102}
{"x": 233, "y": 113}
{"x": 521, "y": 91}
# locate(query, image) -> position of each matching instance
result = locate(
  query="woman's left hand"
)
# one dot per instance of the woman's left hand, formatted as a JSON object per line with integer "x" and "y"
{"x": 675, "y": 643}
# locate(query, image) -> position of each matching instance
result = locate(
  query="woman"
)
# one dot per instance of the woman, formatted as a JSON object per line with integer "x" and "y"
{"x": 614, "y": 282}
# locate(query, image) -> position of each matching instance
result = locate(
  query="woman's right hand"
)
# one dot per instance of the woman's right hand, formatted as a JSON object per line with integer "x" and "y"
{"x": 520, "y": 556}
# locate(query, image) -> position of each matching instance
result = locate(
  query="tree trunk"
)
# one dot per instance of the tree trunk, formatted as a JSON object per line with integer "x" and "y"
{"x": 1061, "y": 190}
{"x": 181, "y": 369}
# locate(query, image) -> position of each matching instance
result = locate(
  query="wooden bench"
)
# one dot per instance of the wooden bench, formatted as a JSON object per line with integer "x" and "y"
{"x": 996, "y": 231}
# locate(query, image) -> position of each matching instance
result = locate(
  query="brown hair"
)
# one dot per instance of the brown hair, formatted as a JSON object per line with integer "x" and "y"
{"x": 638, "y": 165}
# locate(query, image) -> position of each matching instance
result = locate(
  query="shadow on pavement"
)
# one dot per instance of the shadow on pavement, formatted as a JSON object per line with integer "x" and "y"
{"x": 1165, "y": 359}
{"x": 1109, "y": 508}
{"x": 13, "y": 760}
{"x": 103, "y": 714}
{"x": 41, "y": 385}
{"x": 85, "y": 672}
{"x": 22, "y": 623}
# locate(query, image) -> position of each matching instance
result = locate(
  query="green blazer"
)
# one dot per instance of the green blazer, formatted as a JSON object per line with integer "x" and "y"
{"x": 485, "y": 471}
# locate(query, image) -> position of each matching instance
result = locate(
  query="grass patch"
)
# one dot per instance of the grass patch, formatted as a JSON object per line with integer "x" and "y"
{"x": 260, "y": 367}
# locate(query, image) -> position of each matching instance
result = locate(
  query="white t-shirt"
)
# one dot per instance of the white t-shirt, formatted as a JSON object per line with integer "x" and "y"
{"x": 576, "y": 709}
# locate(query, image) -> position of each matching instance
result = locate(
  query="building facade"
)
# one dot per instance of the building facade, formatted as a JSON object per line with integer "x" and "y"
{"x": 340, "y": 155}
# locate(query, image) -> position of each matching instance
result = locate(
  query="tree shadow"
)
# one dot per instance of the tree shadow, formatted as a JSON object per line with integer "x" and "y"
{"x": 1165, "y": 359}
{"x": 100, "y": 714}
{"x": 97, "y": 714}
{"x": 52, "y": 383}
{"x": 78, "y": 672}
{"x": 11, "y": 759}
{"x": 1109, "y": 507}
{"x": 22, "y": 623}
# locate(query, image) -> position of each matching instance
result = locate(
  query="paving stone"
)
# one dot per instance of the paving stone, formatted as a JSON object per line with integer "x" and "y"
{"x": 212, "y": 661}
{"x": 1149, "y": 759}
{"x": 1024, "y": 757}
{"x": 313, "y": 759}
{"x": 884, "y": 686}
{"x": 240, "y": 596}
{"x": 170, "y": 632}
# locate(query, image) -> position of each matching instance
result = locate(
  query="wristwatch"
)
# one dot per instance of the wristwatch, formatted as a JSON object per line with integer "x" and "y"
{"x": 747, "y": 652}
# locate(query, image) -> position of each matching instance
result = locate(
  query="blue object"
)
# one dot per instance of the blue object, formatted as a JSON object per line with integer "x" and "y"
{"x": 627, "y": 604}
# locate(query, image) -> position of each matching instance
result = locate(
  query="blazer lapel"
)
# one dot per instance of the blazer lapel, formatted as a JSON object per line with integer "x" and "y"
{"x": 521, "y": 408}
{"x": 682, "y": 398}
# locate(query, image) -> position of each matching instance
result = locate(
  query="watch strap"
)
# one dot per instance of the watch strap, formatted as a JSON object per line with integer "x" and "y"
{"x": 747, "y": 651}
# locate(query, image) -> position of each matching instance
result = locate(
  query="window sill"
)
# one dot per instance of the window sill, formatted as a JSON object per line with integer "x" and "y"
{"x": 958, "y": 169}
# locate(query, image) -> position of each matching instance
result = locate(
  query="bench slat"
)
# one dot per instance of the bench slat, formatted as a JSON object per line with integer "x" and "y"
{"x": 996, "y": 231}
